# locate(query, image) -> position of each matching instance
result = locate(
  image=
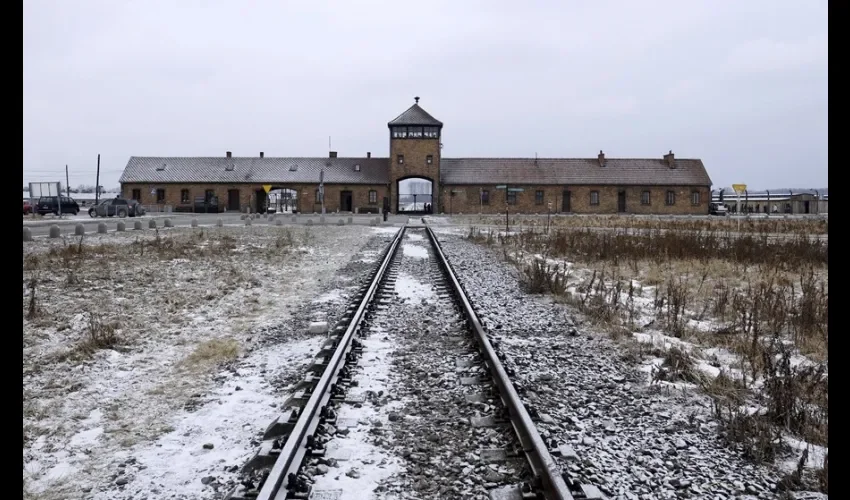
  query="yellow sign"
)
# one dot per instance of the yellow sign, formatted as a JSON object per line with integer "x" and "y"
{"x": 267, "y": 187}
{"x": 739, "y": 188}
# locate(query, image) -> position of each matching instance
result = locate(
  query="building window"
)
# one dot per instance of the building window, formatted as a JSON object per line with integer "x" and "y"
{"x": 414, "y": 132}
{"x": 160, "y": 196}
{"x": 594, "y": 197}
{"x": 510, "y": 197}
{"x": 373, "y": 197}
{"x": 538, "y": 197}
{"x": 399, "y": 132}
{"x": 695, "y": 198}
{"x": 400, "y": 159}
{"x": 137, "y": 195}
{"x": 485, "y": 197}
{"x": 671, "y": 197}
{"x": 209, "y": 194}
{"x": 184, "y": 196}
{"x": 644, "y": 198}
{"x": 429, "y": 159}
{"x": 318, "y": 196}
{"x": 357, "y": 167}
{"x": 432, "y": 132}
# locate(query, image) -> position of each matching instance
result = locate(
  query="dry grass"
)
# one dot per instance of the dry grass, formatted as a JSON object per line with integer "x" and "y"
{"x": 763, "y": 298}
{"x": 213, "y": 352}
{"x": 762, "y": 225}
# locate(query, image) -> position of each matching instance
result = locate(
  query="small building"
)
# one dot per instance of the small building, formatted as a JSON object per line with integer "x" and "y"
{"x": 415, "y": 178}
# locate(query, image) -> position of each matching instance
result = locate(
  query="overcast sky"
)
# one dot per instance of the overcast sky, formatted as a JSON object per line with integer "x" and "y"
{"x": 741, "y": 85}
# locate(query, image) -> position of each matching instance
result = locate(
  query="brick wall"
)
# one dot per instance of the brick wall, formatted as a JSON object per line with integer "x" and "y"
{"x": 307, "y": 201}
{"x": 415, "y": 164}
{"x": 466, "y": 199}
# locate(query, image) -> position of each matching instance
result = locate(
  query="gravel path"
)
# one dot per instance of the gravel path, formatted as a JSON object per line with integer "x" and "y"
{"x": 414, "y": 437}
{"x": 632, "y": 440}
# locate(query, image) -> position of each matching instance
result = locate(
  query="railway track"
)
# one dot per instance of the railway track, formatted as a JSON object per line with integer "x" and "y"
{"x": 445, "y": 368}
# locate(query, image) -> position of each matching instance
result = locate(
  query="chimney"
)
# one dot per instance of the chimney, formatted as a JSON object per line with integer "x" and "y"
{"x": 670, "y": 159}
{"x": 368, "y": 154}
{"x": 262, "y": 154}
{"x": 601, "y": 158}
{"x": 229, "y": 154}
{"x": 332, "y": 154}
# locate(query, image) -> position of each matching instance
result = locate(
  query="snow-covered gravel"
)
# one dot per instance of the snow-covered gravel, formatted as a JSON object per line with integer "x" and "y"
{"x": 209, "y": 343}
{"x": 632, "y": 440}
{"x": 413, "y": 436}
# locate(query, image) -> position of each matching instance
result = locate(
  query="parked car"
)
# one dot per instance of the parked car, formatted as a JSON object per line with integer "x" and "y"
{"x": 52, "y": 205}
{"x": 117, "y": 206}
{"x": 717, "y": 209}
{"x": 27, "y": 207}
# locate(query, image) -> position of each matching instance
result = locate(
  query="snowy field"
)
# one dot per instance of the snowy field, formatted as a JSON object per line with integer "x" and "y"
{"x": 677, "y": 355}
{"x": 152, "y": 363}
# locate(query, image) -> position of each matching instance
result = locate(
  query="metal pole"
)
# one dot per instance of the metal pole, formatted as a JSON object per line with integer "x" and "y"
{"x": 322, "y": 187}
{"x": 67, "y": 184}
{"x": 97, "y": 182}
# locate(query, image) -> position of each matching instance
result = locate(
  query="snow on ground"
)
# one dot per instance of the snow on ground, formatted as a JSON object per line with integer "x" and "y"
{"x": 209, "y": 331}
{"x": 415, "y": 251}
{"x": 362, "y": 465}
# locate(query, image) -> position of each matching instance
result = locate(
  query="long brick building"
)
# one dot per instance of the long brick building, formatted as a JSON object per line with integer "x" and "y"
{"x": 416, "y": 178}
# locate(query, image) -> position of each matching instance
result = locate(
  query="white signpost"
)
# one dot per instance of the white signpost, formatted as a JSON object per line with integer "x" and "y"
{"x": 43, "y": 189}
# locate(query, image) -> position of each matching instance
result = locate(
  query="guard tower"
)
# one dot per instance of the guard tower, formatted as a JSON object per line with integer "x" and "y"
{"x": 414, "y": 161}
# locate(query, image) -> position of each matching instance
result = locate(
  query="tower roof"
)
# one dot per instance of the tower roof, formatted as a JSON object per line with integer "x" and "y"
{"x": 415, "y": 115}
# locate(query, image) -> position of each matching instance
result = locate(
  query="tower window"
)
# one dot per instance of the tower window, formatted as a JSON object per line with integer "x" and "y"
{"x": 400, "y": 159}
{"x": 429, "y": 159}
{"x": 431, "y": 132}
{"x": 399, "y": 132}
{"x": 414, "y": 132}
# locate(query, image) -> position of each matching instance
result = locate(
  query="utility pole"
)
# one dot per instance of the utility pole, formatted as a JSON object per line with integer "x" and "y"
{"x": 67, "y": 184}
{"x": 97, "y": 182}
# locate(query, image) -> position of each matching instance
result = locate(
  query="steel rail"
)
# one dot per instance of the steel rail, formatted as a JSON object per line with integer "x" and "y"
{"x": 294, "y": 449}
{"x": 542, "y": 464}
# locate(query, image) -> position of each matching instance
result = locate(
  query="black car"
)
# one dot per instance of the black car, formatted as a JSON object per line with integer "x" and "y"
{"x": 52, "y": 205}
{"x": 117, "y": 206}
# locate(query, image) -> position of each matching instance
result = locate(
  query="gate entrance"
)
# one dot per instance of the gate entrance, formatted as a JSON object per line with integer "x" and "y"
{"x": 415, "y": 196}
{"x": 282, "y": 200}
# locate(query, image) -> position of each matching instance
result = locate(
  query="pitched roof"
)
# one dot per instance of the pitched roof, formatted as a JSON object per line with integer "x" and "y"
{"x": 266, "y": 170}
{"x": 415, "y": 115}
{"x": 528, "y": 171}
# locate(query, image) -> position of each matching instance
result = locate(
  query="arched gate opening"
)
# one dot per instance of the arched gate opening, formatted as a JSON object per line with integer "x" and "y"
{"x": 415, "y": 196}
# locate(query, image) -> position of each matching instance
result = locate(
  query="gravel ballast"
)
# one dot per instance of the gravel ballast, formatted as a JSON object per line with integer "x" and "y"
{"x": 414, "y": 436}
{"x": 632, "y": 440}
